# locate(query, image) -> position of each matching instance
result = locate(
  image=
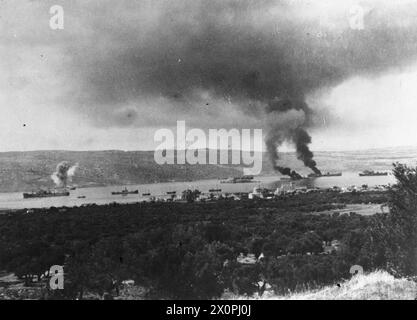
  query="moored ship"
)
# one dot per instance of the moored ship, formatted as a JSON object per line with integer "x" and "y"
{"x": 125, "y": 192}
{"x": 243, "y": 179}
{"x": 327, "y": 174}
{"x": 45, "y": 194}
{"x": 371, "y": 173}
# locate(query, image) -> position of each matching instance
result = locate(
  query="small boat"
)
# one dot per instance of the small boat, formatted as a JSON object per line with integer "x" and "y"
{"x": 146, "y": 194}
{"x": 125, "y": 192}
{"x": 172, "y": 192}
{"x": 215, "y": 190}
{"x": 81, "y": 197}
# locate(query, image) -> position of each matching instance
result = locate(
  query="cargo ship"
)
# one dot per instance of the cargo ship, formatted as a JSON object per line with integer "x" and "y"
{"x": 125, "y": 192}
{"x": 243, "y": 179}
{"x": 45, "y": 194}
{"x": 327, "y": 174}
{"x": 371, "y": 173}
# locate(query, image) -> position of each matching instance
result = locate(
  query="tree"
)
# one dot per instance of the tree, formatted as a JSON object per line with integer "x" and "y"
{"x": 248, "y": 279}
{"x": 190, "y": 195}
{"x": 393, "y": 235}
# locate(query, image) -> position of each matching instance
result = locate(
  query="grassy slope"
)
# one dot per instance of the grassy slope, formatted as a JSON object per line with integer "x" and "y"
{"x": 377, "y": 285}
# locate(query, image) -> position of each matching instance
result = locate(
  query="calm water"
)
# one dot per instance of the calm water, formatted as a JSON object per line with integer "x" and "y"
{"x": 102, "y": 195}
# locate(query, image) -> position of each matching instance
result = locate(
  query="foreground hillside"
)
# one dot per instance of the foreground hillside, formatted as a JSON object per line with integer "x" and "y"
{"x": 188, "y": 250}
{"x": 378, "y": 285}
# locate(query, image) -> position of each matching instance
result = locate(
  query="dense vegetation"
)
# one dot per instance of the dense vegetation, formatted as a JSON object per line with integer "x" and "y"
{"x": 392, "y": 238}
{"x": 188, "y": 250}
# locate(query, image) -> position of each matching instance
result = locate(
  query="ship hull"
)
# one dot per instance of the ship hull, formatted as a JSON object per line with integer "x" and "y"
{"x": 125, "y": 193}
{"x": 49, "y": 195}
{"x": 239, "y": 181}
{"x": 324, "y": 175}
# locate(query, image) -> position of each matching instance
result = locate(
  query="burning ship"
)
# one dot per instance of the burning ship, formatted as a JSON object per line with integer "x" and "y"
{"x": 63, "y": 174}
{"x": 289, "y": 174}
{"x": 371, "y": 173}
{"x": 45, "y": 194}
{"x": 292, "y": 178}
{"x": 327, "y": 174}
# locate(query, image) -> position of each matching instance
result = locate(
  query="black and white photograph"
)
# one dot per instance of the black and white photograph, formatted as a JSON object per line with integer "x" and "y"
{"x": 230, "y": 151}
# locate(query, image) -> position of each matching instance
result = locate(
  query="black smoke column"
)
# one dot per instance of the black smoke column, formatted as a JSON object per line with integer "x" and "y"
{"x": 301, "y": 140}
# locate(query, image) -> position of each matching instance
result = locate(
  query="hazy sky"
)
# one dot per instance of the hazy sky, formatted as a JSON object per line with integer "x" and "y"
{"x": 121, "y": 69}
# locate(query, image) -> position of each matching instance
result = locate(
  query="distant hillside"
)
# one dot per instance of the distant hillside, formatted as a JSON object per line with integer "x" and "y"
{"x": 378, "y": 285}
{"x": 21, "y": 171}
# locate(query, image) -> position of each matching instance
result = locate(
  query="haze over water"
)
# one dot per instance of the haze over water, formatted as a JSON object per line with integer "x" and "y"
{"x": 102, "y": 195}
{"x": 350, "y": 163}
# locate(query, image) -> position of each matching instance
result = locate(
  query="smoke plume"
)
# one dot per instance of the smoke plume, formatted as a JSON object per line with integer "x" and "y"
{"x": 288, "y": 172}
{"x": 301, "y": 140}
{"x": 63, "y": 174}
{"x": 291, "y": 131}
{"x": 227, "y": 63}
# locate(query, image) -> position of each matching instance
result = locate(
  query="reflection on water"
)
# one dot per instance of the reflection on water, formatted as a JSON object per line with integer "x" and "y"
{"x": 102, "y": 195}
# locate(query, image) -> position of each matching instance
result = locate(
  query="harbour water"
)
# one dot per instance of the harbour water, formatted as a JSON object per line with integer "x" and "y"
{"x": 102, "y": 195}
